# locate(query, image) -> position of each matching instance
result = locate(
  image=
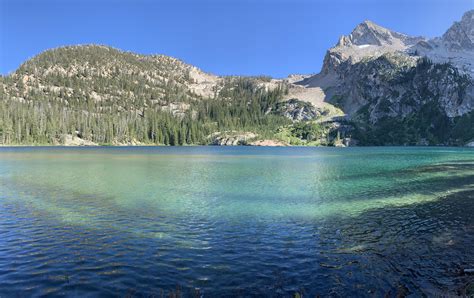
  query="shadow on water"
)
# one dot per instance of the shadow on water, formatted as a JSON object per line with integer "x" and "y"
{"x": 422, "y": 169}
{"x": 421, "y": 248}
{"x": 418, "y": 249}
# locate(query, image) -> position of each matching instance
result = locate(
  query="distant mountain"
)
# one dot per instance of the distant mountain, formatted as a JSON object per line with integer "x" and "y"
{"x": 456, "y": 46}
{"x": 376, "y": 87}
{"x": 402, "y": 89}
{"x": 460, "y": 37}
{"x": 367, "y": 40}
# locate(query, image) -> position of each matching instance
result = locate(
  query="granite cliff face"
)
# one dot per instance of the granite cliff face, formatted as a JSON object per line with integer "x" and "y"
{"x": 367, "y": 40}
{"x": 455, "y": 46}
{"x": 460, "y": 37}
{"x": 376, "y": 75}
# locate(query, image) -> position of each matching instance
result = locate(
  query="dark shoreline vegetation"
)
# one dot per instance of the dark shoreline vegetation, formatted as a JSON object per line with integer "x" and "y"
{"x": 121, "y": 98}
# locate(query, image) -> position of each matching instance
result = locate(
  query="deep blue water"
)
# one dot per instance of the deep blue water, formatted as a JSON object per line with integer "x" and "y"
{"x": 226, "y": 221}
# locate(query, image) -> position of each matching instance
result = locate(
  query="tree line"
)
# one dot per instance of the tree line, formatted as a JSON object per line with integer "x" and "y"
{"x": 41, "y": 119}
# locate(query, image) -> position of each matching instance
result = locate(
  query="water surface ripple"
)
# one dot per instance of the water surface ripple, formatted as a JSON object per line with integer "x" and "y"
{"x": 236, "y": 221}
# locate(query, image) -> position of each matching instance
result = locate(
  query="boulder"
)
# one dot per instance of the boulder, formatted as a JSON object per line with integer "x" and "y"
{"x": 470, "y": 144}
{"x": 231, "y": 138}
{"x": 268, "y": 143}
{"x": 70, "y": 140}
{"x": 297, "y": 110}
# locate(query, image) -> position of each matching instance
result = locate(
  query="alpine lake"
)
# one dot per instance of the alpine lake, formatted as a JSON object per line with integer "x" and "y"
{"x": 236, "y": 221}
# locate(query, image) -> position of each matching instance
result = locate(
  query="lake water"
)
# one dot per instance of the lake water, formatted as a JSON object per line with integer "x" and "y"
{"x": 236, "y": 221}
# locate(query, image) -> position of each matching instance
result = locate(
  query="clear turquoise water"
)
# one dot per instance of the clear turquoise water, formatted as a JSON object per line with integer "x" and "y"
{"x": 235, "y": 221}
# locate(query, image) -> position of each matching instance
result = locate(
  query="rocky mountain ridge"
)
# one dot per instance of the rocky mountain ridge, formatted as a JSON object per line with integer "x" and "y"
{"x": 377, "y": 75}
{"x": 377, "y": 79}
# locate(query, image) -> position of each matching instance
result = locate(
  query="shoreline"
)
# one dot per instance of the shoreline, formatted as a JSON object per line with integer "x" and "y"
{"x": 196, "y": 145}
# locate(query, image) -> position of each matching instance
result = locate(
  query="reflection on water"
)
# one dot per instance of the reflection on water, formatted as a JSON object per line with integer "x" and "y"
{"x": 354, "y": 221}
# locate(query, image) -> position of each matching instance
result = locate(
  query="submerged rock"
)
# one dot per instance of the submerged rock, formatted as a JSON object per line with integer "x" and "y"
{"x": 468, "y": 271}
{"x": 467, "y": 290}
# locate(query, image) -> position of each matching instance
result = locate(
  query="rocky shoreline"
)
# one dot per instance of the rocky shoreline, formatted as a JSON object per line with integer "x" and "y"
{"x": 227, "y": 138}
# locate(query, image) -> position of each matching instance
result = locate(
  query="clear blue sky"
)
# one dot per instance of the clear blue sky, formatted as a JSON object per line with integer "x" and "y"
{"x": 242, "y": 37}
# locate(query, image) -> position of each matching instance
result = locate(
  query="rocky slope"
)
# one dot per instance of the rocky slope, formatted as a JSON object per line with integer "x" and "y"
{"x": 107, "y": 75}
{"x": 455, "y": 46}
{"x": 379, "y": 76}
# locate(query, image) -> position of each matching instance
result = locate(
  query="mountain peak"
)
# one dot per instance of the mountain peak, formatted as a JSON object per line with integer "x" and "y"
{"x": 369, "y": 33}
{"x": 372, "y": 34}
{"x": 467, "y": 22}
{"x": 468, "y": 16}
{"x": 460, "y": 36}
{"x": 368, "y": 23}
{"x": 372, "y": 26}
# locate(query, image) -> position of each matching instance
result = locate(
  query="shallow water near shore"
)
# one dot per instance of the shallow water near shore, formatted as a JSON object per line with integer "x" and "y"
{"x": 236, "y": 221}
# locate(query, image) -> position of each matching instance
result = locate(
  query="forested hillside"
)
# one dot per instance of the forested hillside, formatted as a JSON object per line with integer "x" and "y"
{"x": 107, "y": 96}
